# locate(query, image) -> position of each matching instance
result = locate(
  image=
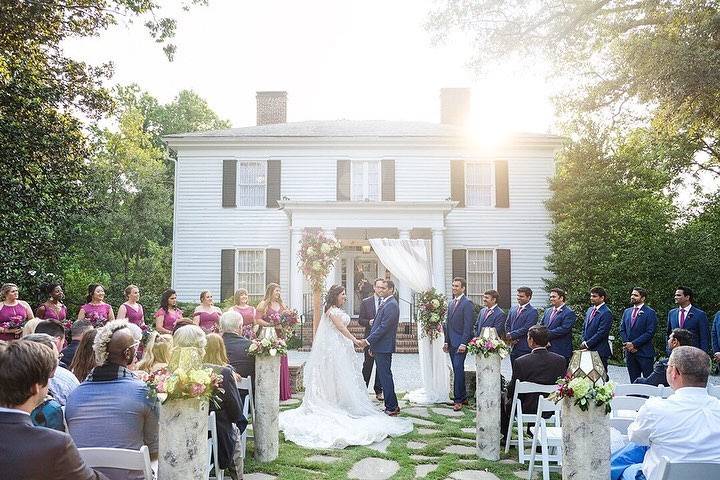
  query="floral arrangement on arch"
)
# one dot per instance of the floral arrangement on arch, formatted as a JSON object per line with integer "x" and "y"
{"x": 432, "y": 306}
{"x": 267, "y": 347}
{"x": 487, "y": 346}
{"x": 583, "y": 392}
{"x": 182, "y": 384}
{"x": 317, "y": 255}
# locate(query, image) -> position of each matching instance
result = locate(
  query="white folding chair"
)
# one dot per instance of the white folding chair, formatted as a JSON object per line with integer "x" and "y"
{"x": 213, "y": 449}
{"x": 714, "y": 390}
{"x": 245, "y": 383}
{"x": 138, "y": 460}
{"x": 668, "y": 470}
{"x": 667, "y": 391}
{"x": 624, "y": 410}
{"x": 550, "y": 438}
{"x": 638, "y": 389}
{"x": 520, "y": 418}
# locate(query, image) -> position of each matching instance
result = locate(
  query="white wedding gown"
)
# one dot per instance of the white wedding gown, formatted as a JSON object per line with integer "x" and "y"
{"x": 336, "y": 410}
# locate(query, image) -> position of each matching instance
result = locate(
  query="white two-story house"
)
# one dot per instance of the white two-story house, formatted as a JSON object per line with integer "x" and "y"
{"x": 243, "y": 197}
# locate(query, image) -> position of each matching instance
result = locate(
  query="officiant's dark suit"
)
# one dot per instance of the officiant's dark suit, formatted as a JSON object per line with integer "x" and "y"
{"x": 458, "y": 332}
{"x": 382, "y": 345}
{"x": 368, "y": 307}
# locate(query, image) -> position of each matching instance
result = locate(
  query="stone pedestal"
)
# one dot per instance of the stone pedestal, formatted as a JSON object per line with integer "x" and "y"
{"x": 267, "y": 408}
{"x": 487, "y": 399}
{"x": 183, "y": 448}
{"x": 586, "y": 442}
{"x": 296, "y": 377}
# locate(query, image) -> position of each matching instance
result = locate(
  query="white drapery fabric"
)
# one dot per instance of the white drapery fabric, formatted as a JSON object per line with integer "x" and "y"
{"x": 410, "y": 262}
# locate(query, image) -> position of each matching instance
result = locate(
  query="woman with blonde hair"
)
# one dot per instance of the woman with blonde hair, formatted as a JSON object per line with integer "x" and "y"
{"x": 157, "y": 352}
{"x": 242, "y": 307}
{"x": 207, "y": 314}
{"x": 215, "y": 353}
{"x": 272, "y": 303}
{"x": 131, "y": 309}
{"x": 13, "y": 312}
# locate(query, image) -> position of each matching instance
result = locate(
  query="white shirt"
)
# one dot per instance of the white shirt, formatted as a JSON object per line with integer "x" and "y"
{"x": 684, "y": 427}
{"x": 13, "y": 410}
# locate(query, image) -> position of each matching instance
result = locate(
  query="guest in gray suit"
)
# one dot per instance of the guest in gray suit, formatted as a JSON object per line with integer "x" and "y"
{"x": 236, "y": 345}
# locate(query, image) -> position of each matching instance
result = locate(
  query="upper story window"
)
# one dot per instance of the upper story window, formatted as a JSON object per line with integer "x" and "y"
{"x": 365, "y": 181}
{"x": 251, "y": 184}
{"x": 478, "y": 184}
{"x": 480, "y": 273}
{"x": 251, "y": 272}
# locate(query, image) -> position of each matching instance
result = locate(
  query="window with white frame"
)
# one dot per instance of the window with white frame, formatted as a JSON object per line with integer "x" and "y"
{"x": 478, "y": 184}
{"x": 251, "y": 184}
{"x": 365, "y": 181}
{"x": 250, "y": 272}
{"x": 480, "y": 273}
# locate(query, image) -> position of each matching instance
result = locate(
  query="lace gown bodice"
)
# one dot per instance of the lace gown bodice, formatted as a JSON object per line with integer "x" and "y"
{"x": 336, "y": 410}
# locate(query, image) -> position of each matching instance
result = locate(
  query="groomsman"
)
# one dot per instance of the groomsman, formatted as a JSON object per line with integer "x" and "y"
{"x": 715, "y": 334}
{"x": 458, "y": 330}
{"x": 519, "y": 320}
{"x": 491, "y": 315}
{"x": 596, "y": 330}
{"x": 637, "y": 329}
{"x": 690, "y": 318}
{"x": 559, "y": 321}
{"x": 368, "y": 310}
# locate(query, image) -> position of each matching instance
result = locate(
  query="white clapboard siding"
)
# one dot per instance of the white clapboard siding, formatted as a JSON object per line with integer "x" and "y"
{"x": 422, "y": 179}
{"x": 309, "y": 178}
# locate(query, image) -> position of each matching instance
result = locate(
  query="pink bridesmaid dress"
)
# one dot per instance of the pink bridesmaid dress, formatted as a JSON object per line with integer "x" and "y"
{"x": 285, "y": 389}
{"x": 208, "y": 321}
{"x": 12, "y": 313}
{"x": 135, "y": 316}
{"x": 169, "y": 318}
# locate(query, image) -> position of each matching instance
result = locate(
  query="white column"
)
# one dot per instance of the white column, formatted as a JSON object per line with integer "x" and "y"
{"x": 403, "y": 289}
{"x": 586, "y": 442}
{"x": 183, "y": 439}
{"x": 330, "y": 280}
{"x": 487, "y": 403}
{"x": 438, "y": 258}
{"x": 267, "y": 408}
{"x": 296, "y": 276}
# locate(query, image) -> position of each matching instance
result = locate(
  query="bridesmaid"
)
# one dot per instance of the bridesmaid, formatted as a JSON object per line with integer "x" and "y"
{"x": 272, "y": 301}
{"x": 207, "y": 314}
{"x": 241, "y": 306}
{"x": 13, "y": 310}
{"x": 168, "y": 313}
{"x": 131, "y": 309}
{"x": 95, "y": 308}
{"x": 53, "y": 308}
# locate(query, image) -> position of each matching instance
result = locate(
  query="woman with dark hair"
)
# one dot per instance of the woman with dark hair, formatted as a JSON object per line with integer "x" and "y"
{"x": 131, "y": 309}
{"x": 84, "y": 359}
{"x": 53, "y": 308}
{"x": 336, "y": 410}
{"x": 168, "y": 313}
{"x": 95, "y": 309}
{"x": 13, "y": 312}
{"x": 272, "y": 304}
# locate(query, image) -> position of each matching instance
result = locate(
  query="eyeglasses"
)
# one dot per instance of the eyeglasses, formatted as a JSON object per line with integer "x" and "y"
{"x": 134, "y": 345}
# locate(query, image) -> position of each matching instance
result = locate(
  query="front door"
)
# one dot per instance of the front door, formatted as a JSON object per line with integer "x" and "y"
{"x": 365, "y": 273}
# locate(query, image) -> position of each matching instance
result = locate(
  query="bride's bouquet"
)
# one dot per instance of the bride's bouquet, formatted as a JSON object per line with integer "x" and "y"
{"x": 432, "y": 307}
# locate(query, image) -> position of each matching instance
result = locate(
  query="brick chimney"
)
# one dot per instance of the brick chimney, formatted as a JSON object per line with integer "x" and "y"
{"x": 271, "y": 107}
{"x": 454, "y": 106}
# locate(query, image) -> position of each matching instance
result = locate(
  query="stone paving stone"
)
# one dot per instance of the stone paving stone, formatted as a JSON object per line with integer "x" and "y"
{"x": 446, "y": 412}
{"x": 422, "y": 470}
{"x": 380, "y": 446}
{"x": 291, "y": 401}
{"x": 420, "y": 421}
{"x": 470, "y": 430}
{"x": 427, "y": 431}
{"x": 460, "y": 450}
{"x": 373, "y": 469}
{"x": 258, "y": 476}
{"x": 417, "y": 411}
{"x": 473, "y": 475}
{"x": 322, "y": 459}
{"x": 509, "y": 461}
{"x": 454, "y": 420}
{"x": 524, "y": 474}
{"x": 423, "y": 458}
{"x": 416, "y": 445}
{"x": 463, "y": 441}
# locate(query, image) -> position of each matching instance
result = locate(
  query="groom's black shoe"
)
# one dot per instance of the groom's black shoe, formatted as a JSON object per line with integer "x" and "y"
{"x": 393, "y": 413}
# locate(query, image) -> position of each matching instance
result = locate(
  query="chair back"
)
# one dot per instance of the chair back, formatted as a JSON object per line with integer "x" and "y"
{"x": 620, "y": 403}
{"x": 638, "y": 389}
{"x": 714, "y": 390}
{"x": 545, "y": 405}
{"x": 245, "y": 383}
{"x": 667, "y": 391}
{"x": 669, "y": 470}
{"x": 213, "y": 448}
{"x": 530, "y": 387}
{"x": 138, "y": 460}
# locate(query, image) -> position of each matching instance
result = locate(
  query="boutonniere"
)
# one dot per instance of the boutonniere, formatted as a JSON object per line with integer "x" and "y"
{"x": 640, "y": 313}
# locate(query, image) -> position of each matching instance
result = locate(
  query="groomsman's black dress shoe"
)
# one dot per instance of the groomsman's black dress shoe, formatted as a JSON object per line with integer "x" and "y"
{"x": 393, "y": 413}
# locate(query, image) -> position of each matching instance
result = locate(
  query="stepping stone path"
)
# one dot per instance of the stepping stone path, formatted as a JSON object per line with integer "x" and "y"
{"x": 420, "y": 421}
{"x": 508, "y": 461}
{"x": 422, "y": 470}
{"x": 380, "y": 446}
{"x": 427, "y": 431}
{"x": 416, "y": 445}
{"x": 463, "y": 441}
{"x": 418, "y": 412}
{"x": 473, "y": 475}
{"x": 423, "y": 458}
{"x": 524, "y": 474}
{"x": 468, "y": 430}
{"x": 290, "y": 401}
{"x": 258, "y": 476}
{"x": 322, "y": 459}
{"x": 446, "y": 412}
{"x": 373, "y": 469}
{"x": 460, "y": 450}
{"x": 455, "y": 420}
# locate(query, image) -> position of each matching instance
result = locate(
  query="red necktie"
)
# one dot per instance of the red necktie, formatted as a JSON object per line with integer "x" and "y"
{"x": 682, "y": 318}
{"x": 592, "y": 315}
{"x": 634, "y": 316}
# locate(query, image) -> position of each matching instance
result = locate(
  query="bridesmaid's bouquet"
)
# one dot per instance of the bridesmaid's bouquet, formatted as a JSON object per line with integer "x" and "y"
{"x": 432, "y": 307}
{"x": 95, "y": 320}
{"x": 15, "y": 321}
{"x": 248, "y": 331}
{"x": 288, "y": 321}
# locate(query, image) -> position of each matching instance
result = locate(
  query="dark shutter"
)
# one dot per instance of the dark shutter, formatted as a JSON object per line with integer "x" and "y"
{"x": 343, "y": 180}
{"x": 504, "y": 278}
{"x": 227, "y": 274}
{"x": 459, "y": 263}
{"x": 388, "y": 180}
{"x": 272, "y": 266}
{"x": 502, "y": 191}
{"x": 457, "y": 182}
{"x": 273, "y": 183}
{"x": 229, "y": 183}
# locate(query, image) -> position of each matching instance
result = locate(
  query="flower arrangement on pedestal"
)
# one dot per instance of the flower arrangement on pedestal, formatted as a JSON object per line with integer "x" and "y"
{"x": 432, "y": 307}
{"x": 583, "y": 392}
{"x": 267, "y": 347}
{"x": 316, "y": 257}
{"x": 486, "y": 346}
{"x": 181, "y": 384}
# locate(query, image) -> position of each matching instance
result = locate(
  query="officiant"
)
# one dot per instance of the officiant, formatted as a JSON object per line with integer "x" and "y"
{"x": 368, "y": 308}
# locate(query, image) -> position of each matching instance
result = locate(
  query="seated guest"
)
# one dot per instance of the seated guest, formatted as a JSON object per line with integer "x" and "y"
{"x": 28, "y": 452}
{"x": 684, "y": 427}
{"x": 84, "y": 360}
{"x": 230, "y": 409}
{"x": 538, "y": 366}
{"x": 236, "y": 345}
{"x": 49, "y": 412}
{"x": 63, "y": 382}
{"x": 678, "y": 337}
{"x": 157, "y": 353}
{"x": 182, "y": 322}
{"x": 77, "y": 331}
{"x": 111, "y": 407}
{"x": 215, "y": 352}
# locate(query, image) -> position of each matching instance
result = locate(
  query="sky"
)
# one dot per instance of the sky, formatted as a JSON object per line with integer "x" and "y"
{"x": 337, "y": 59}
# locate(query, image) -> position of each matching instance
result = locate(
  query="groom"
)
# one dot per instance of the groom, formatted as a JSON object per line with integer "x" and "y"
{"x": 381, "y": 342}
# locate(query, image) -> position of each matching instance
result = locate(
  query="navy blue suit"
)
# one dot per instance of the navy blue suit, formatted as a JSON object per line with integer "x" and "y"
{"x": 560, "y": 330}
{"x": 641, "y": 335}
{"x": 496, "y": 320}
{"x": 696, "y": 321}
{"x": 716, "y": 333}
{"x": 517, "y": 327}
{"x": 597, "y": 331}
{"x": 458, "y": 331}
{"x": 367, "y": 313}
{"x": 382, "y": 345}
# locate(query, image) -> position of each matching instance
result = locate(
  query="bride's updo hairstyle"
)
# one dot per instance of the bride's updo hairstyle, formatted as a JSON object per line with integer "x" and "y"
{"x": 331, "y": 299}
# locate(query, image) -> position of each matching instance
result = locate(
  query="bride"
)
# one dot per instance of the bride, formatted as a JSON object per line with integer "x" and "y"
{"x": 336, "y": 410}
